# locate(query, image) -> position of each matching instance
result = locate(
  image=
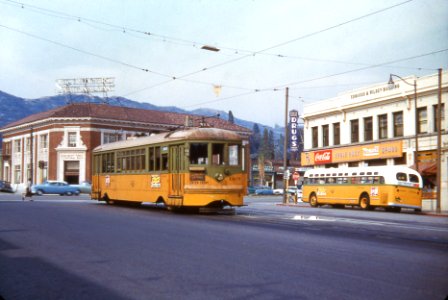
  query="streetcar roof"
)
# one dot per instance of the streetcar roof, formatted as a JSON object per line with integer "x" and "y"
{"x": 203, "y": 133}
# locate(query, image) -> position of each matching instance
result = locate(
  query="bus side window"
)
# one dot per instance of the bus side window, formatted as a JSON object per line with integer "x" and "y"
{"x": 413, "y": 178}
{"x": 402, "y": 177}
{"x": 378, "y": 179}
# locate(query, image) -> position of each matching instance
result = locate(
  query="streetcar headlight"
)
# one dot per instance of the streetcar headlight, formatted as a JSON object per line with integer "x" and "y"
{"x": 219, "y": 176}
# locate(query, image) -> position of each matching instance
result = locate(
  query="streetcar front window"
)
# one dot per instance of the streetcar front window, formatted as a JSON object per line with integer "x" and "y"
{"x": 199, "y": 153}
{"x": 234, "y": 159}
{"x": 218, "y": 154}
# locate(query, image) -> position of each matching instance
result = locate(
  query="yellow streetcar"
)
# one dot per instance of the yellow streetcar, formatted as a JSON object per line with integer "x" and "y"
{"x": 198, "y": 167}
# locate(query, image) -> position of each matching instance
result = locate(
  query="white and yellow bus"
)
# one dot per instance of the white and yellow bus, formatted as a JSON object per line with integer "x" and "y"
{"x": 391, "y": 187}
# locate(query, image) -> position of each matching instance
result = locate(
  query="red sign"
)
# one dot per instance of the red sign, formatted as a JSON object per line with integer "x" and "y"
{"x": 295, "y": 176}
{"x": 323, "y": 157}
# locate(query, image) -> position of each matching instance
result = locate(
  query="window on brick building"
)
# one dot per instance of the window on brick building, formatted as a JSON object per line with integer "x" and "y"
{"x": 71, "y": 139}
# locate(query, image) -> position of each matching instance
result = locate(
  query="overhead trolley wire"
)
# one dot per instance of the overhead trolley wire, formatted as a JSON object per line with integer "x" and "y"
{"x": 184, "y": 42}
{"x": 281, "y": 87}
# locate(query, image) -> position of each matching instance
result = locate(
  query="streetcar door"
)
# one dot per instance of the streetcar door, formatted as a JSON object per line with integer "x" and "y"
{"x": 177, "y": 166}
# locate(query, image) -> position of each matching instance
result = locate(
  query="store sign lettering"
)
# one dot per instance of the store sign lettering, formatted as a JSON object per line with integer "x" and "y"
{"x": 294, "y": 133}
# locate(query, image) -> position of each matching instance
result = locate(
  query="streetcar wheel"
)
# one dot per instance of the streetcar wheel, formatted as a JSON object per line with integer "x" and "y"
{"x": 364, "y": 202}
{"x": 313, "y": 200}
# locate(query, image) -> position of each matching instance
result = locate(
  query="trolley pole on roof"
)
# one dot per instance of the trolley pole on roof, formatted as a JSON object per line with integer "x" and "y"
{"x": 285, "y": 150}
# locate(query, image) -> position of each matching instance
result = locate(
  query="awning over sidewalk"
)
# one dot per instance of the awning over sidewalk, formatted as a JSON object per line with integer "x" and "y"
{"x": 427, "y": 169}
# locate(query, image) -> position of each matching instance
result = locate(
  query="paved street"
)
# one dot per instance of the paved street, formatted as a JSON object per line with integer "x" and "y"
{"x": 73, "y": 248}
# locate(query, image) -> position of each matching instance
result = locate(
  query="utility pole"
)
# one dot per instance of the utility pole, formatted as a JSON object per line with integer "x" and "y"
{"x": 285, "y": 150}
{"x": 439, "y": 143}
{"x": 31, "y": 157}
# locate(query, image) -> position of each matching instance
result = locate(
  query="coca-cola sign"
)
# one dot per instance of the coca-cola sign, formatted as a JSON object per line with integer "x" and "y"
{"x": 323, "y": 157}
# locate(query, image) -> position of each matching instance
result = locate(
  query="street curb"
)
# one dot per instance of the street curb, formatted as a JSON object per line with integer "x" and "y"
{"x": 423, "y": 213}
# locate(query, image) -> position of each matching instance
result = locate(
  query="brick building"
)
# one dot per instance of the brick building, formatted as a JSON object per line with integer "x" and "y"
{"x": 57, "y": 144}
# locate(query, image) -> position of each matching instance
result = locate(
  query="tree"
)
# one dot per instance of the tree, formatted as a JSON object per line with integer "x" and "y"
{"x": 231, "y": 119}
{"x": 255, "y": 139}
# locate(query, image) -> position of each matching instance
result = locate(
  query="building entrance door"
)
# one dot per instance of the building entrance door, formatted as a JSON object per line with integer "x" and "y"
{"x": 71, "y": 171}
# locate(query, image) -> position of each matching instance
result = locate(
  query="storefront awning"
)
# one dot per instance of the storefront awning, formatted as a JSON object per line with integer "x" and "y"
{"x": 427, "y": 169}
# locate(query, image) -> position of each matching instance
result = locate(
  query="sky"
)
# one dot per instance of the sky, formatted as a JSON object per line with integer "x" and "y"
{"x": 153, "y": 49}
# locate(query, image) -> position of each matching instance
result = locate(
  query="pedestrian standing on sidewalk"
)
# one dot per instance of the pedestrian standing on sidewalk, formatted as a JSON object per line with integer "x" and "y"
{"x": 28, "y": 192}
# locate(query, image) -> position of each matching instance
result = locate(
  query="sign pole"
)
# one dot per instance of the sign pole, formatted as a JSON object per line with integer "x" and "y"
{"x": 285, "y": 149}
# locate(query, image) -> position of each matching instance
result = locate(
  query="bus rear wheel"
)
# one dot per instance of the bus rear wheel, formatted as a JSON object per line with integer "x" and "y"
{"x": 313, "y": 200}
{"x": 364, "y": 202}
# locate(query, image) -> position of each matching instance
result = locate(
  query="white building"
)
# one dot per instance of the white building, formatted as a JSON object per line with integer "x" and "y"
{"x": 379, "y": 125}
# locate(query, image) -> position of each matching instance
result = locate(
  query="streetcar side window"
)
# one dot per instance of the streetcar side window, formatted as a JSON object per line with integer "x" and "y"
{"x": 199, "y": 153}
{"x": 164, "y": 161}
{"x": 157, "y": 158}
{"x": 108, "y": 161}
{"x": 152, "y": 159}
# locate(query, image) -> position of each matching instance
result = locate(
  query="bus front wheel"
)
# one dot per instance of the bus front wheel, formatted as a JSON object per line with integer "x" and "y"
{"x": 364, "y": 202}
{"x": 313, "y": 200}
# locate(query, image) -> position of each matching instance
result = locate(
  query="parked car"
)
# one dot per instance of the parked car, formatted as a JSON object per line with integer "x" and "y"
{"x": 252, "y": 189}
{"x": 5, "y": 186}
{"x": 264, "y": 191}
{"x": 278, "y": 191}
{"x": 84, "y": 187}
{"x": 54, "y": 187}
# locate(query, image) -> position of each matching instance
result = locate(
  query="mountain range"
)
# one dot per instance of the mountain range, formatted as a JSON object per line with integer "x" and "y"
{"x": 14, "y": 108}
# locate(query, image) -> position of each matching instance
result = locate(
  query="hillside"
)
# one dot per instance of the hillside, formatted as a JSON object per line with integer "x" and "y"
{"x": 14, "y": 108}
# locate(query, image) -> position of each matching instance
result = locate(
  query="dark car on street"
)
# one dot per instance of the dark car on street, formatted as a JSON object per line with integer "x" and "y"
{"x": 6, "y": 187}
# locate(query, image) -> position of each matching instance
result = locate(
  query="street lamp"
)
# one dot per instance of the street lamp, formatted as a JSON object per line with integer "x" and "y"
{"x": 391, "y": 85}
